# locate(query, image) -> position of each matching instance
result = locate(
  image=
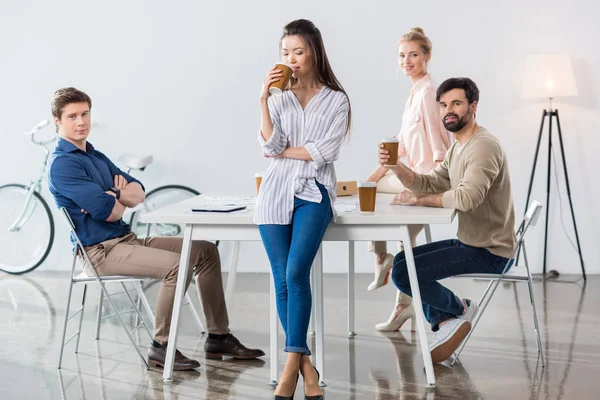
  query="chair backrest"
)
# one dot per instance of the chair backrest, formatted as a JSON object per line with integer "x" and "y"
{"x": 533, "y": 212}
{"x": 71, "y": 226}
{"x": 70, "y": 223}
{"x": 78, "y": 244}
{"x": 530, "y": 218}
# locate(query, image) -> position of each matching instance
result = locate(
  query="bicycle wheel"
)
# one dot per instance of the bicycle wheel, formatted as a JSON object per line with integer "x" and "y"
{"x": 156, "y": 199}
{"x": 26, "y": 230}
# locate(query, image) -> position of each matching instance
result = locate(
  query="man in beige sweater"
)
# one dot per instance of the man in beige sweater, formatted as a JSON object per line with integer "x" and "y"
{"x": 474, "y": 180}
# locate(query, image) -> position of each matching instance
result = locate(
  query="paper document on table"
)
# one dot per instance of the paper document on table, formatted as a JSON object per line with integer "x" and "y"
{"x": 230, "y": 200}
{"x": 346, "y": 200}
{"x": 344, "y": 207}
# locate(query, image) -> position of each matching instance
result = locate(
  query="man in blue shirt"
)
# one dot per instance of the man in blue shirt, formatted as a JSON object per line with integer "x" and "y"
{"x": 96, "y": 193}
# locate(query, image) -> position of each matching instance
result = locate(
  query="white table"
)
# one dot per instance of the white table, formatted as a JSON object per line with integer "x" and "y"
{"x": 388, "y": 223}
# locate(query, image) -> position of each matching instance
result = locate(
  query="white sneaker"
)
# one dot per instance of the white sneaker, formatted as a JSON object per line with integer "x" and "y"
{"x": 448, "y": 338}
{"x": 471, "y": 311}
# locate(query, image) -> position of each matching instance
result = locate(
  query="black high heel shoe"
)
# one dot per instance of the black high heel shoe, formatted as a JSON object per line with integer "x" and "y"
{"x": 319, "y": 396}
{"x": 277, "y": 397}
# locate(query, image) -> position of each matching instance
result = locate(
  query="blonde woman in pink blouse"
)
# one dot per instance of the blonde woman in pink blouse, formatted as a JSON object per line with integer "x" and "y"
{"x": 423, "y": 142}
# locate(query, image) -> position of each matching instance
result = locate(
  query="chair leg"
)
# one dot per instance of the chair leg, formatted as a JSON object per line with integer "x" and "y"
{"x": 533, "y": 309}
{"x": 99, "y": 316}
{"x": 141, "y": 318}
{"x": 138, "y": 304}
{"x": 67, "y": 310}
{"x": 118, "y": 315}
{"x": 80, "y": 318}
{"x": 144, "y": 300}
{"x": 195, "y": 314}
{"x": 485, "y": 299}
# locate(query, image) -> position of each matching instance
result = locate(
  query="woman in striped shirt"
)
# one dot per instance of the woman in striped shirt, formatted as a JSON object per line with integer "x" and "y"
{"x": 424, "y": 142}
{"x": 302, "y": 131}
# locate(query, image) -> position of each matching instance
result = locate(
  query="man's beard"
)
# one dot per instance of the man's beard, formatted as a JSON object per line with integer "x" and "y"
{"x": 458, "y": 124}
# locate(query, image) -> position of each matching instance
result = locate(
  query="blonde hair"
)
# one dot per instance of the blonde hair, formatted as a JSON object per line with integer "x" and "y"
{"x": 417, "y": 35}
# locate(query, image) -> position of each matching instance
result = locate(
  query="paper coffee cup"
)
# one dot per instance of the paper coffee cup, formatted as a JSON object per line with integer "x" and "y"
{"x": 258, "y": 176}
{"x": 279, "y": 86}
{"x": 391, "y": 145}
{"x": 367, "y": 193}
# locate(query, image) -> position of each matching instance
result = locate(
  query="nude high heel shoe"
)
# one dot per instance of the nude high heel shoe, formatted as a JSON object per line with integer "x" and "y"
{"x": 392, "y": 325}
{"x": 382, "y": 273}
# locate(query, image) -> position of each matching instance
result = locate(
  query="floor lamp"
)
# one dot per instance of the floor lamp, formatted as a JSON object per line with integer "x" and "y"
{"x": 549, "y": 76}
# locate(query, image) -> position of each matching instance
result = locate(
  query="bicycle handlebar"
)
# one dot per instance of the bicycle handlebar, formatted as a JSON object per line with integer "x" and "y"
{"x": 36, "y": 129}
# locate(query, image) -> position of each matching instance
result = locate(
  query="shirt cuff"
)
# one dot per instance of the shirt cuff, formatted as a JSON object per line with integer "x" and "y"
{"x": 318, "y": 160}
{"x": 417, "y": 185}
{"x": 439, "y": 156}
{"x": 269, "y": 145}
{"x": 136, "y": 181}
{"x": 448, "y": 199}
{"x": 106, "y": 210}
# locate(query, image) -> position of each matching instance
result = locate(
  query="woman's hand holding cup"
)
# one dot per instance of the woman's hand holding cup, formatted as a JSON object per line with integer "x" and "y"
{"x": 273, "y": 75}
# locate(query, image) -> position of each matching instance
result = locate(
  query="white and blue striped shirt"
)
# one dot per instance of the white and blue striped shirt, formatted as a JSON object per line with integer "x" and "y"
{"x": 320, "y": 128}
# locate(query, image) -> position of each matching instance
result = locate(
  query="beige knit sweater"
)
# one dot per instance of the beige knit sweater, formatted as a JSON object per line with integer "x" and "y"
{"x": 475, "y": 182}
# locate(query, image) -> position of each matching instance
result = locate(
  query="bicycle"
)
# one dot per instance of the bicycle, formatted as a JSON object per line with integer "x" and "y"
{"x": 156, "y": 198}
{"x": 27, "y": 225}
{"x": 29, "y": 237}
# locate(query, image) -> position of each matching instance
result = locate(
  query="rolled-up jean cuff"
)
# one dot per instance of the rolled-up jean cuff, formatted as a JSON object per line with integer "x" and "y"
{"x": 435, "y": 323}
{"x": 301, "y": 350}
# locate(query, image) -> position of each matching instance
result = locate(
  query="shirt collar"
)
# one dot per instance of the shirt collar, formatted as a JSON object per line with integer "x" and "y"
{"x": 69, "y": 147}
{"x": 418, "y": 85}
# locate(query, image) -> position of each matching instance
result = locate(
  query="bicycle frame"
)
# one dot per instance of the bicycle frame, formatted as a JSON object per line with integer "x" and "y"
{"x": 36, "y": 184}
{"x": 160, "y": 229}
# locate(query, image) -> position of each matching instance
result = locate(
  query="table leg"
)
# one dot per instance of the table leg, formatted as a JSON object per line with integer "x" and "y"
{"x": 311, "y": 326}
{"x": 351, "y": 303}
{"x": 427, "y": 233}
{"x": 274, "y": 332}
{"x": 179, "y": 294}
{"x": 319, "y": 318}
{"x": 418, "y": 305}
{"x": 232, "y": 272}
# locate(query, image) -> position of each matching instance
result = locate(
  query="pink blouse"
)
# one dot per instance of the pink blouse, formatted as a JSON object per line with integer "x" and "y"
{"x": 423, "y": 138}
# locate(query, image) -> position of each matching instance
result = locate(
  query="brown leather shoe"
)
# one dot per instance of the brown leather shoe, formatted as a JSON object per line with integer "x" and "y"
{"x": 229, "y": 347}
{"x": 157, "y": 355}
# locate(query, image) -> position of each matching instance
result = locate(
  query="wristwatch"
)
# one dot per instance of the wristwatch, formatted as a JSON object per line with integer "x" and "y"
{"x": 116, "y": 191}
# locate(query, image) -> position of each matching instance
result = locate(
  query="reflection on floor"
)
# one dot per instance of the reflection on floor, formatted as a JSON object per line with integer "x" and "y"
{"x": 500, "y": 361}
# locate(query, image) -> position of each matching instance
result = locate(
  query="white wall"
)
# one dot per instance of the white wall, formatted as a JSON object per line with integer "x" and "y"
{"x": 181, "y": 79}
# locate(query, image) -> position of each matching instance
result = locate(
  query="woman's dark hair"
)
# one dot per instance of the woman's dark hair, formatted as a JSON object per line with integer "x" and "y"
{"x": 311, "y": 36}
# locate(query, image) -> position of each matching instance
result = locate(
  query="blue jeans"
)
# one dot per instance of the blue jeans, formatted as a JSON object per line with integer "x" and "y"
{"x": 291, "y": 250}
{"x": 439, "y": 260}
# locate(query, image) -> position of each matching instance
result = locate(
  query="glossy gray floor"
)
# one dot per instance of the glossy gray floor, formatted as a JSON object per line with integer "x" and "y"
{"x": 499, "y": 362}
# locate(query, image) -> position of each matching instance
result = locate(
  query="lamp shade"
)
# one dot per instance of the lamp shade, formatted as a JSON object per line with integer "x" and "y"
{"x": 549, "y": 75}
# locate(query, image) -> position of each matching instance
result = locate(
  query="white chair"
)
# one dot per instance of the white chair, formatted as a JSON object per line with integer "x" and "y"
{"x": 101, "y": 281}
{"x": 516, "y": 274}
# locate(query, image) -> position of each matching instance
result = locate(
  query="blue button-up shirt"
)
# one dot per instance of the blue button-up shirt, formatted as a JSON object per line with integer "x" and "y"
{"x": 78, "y": 180}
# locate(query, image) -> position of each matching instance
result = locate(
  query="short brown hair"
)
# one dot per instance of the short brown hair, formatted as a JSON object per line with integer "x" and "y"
{"x": 65, "y": 96}
{"x": 466, "y": 84}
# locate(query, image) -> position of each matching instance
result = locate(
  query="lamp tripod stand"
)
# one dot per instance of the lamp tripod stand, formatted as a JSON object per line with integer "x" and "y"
{"x": 553, "y": 114}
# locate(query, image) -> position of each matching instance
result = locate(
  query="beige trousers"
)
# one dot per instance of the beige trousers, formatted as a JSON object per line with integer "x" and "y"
{"x": 158, "y": 257}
